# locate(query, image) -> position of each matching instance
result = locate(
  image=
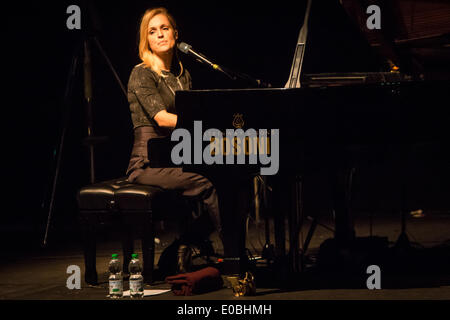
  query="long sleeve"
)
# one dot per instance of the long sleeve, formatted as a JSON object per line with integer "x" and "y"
{"x": 149, "y": 93}
{"x": 144, "y": 96}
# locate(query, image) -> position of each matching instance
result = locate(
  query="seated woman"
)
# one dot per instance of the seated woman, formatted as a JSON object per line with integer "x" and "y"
{"x": 151, "y": 94}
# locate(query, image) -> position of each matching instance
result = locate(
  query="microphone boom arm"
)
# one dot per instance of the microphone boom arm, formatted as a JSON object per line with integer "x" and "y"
{"x": 233, "y": 75}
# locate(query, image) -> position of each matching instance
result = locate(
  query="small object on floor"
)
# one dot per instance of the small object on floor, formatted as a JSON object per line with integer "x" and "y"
{"x": 417, "y": 213}
{"x": 244, "y": 287}
{"x": 148, "y": 293}
{"x": 115, "y": 277}
{"x": 136, "y": 280}
{"x": 201, "y": 281}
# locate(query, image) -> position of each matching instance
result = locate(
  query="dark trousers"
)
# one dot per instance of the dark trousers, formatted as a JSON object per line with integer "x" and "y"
{"x": 188, "y": 184}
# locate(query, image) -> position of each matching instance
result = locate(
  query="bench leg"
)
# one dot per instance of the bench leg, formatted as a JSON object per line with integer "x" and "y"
{"x": 127, "y": 246}
{"x": 148, "y": 248}
{"x": 89, "y": 245}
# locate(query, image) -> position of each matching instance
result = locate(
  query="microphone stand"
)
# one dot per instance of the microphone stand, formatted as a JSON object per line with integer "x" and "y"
{"x": 90, "y": 140}
{"x": 235, "y": 76}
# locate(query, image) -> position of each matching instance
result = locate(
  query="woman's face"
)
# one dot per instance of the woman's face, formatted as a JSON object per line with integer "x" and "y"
{"x": 161, "y": 35}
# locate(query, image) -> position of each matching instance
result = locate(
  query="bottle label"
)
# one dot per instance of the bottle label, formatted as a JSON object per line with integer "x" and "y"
{"x": 115, "y": 287}
{"x": 136, "y": 286}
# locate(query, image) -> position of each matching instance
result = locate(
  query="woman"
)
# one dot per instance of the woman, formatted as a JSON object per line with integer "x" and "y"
{"x": 151, "y": 94}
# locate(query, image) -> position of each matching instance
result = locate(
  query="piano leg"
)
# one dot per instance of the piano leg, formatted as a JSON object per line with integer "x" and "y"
{"x": 286, "y": 204}
{"x": 340, "y": 182}
{"x": 234, "y": 201}
{"x": 268, "y": 251}
{"x": 279, "y": 198}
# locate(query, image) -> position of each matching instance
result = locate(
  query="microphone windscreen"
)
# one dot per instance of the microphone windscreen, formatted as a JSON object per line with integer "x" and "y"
{"x": 184, "y": 47}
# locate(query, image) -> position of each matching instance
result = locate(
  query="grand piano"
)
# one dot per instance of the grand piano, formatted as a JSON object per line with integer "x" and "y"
{"x": 318, "y": 115}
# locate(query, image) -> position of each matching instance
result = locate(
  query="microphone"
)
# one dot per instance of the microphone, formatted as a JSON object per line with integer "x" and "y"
{"x": 187, "y": 49}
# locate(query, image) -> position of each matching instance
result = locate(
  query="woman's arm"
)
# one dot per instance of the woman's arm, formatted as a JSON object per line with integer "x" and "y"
{"x": 143, "y": 86}
{"x": 165, "y": 119}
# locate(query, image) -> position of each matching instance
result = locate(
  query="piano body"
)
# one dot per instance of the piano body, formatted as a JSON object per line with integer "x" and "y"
{"x": 403, "y": 103}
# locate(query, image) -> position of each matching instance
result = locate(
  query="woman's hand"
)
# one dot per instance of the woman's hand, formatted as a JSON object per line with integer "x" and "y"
{"x": 165, "y": 119}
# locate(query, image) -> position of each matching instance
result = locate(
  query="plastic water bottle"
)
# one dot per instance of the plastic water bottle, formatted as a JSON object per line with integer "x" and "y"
{"x": 115, "y": 278}
{"x": 136, "y": 278}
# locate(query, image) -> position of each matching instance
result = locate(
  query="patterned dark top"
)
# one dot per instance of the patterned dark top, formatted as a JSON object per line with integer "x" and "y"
{"x": 149, "y": 93}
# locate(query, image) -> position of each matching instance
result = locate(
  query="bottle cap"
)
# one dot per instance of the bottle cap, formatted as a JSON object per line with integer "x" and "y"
{"x": 114, "y": 255}
{"x": 134, "y": 256}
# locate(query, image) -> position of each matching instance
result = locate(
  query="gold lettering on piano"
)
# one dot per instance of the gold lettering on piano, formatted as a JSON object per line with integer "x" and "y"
{"x": 247, "y": 146}
{"x": 236, "y": 146}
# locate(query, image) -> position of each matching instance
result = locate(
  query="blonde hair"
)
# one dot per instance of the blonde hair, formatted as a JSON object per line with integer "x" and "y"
{"x": 145, "y": 53}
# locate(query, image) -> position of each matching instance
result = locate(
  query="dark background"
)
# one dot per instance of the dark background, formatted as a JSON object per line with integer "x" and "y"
{"x": 253, "y": 37}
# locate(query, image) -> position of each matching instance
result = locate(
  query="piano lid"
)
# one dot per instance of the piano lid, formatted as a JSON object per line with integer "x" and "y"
{"x": 414, "y": 34}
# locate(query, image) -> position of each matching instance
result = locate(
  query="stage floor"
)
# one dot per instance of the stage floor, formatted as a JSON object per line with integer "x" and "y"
{"x": 420, "y": 274}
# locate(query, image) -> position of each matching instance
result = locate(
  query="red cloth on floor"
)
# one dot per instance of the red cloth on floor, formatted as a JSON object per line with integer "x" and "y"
{"x": 201, "y": 281}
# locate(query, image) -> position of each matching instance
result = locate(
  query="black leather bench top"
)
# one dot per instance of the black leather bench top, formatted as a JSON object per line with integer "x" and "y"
{"x": 117, "y": 194}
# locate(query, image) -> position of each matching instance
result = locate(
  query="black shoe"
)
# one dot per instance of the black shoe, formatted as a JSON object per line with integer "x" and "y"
{"x": 206, "y": 249}
{"x": 167, "y": 263}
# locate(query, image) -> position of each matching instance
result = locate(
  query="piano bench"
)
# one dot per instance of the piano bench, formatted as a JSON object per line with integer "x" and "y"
{"x": 128, "y": 207}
